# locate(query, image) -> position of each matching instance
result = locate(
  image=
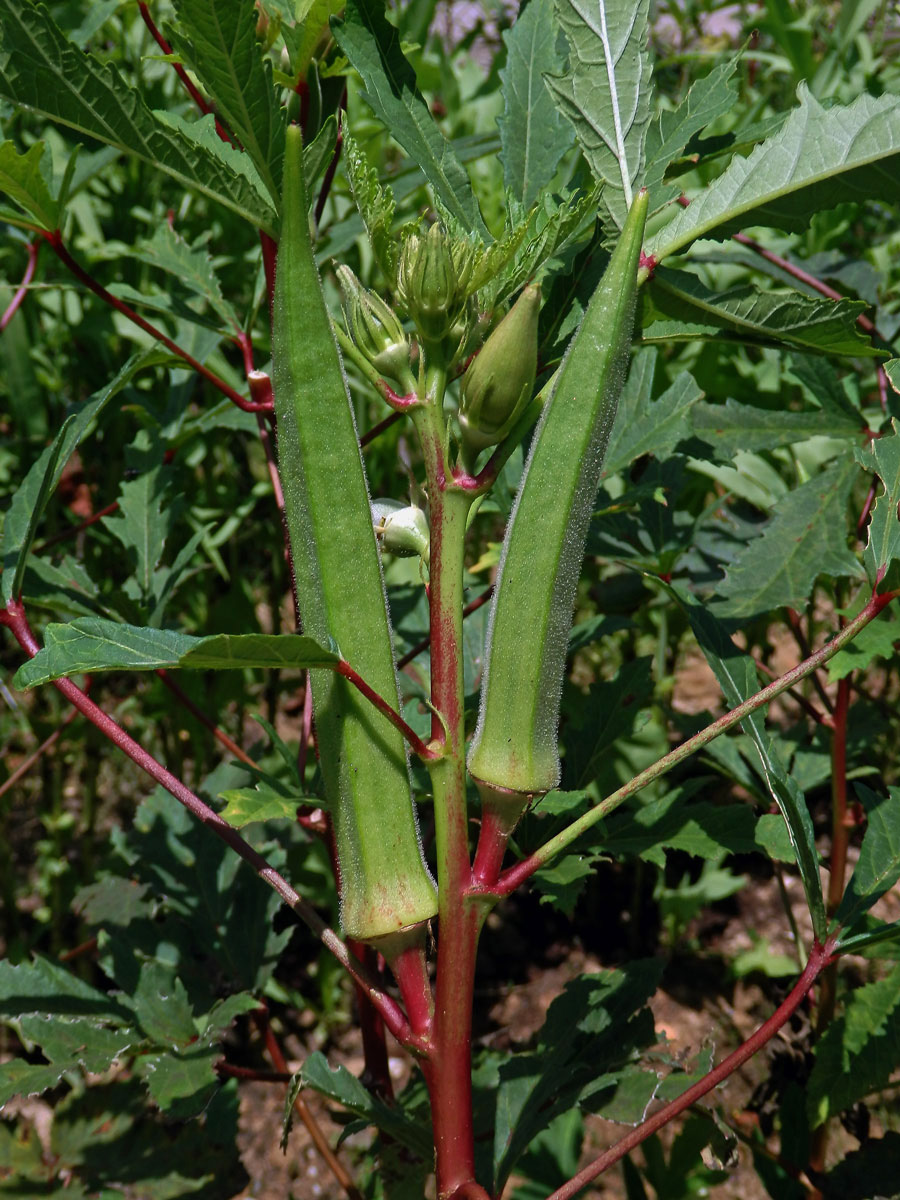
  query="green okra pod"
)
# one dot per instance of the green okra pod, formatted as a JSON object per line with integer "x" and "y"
{"x": 385, "y": 884}
{"x": 514, "y": 753}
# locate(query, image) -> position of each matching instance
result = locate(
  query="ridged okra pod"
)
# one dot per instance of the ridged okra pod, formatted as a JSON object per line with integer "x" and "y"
{"x": 385, "y": 884}
{"x": 514, "y": 754}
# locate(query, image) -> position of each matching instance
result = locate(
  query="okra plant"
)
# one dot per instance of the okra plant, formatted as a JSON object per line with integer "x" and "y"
{"x": 460, "y": 409}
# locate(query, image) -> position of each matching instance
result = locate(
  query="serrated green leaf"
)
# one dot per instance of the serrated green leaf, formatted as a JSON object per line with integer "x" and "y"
{"x": 20, "y": 1078}
{"x": 313, "y": 16}
{"x": 733, "y": 427}
{"x": 345, "y": 1089}
{"x": 373, "y": 46}
{"x": 113, "y": 900}
{"x": 858, "y": 1051}
{"x": 267, "y": 801}
{"x": 181, "y": 1083}
{"x": 875, "y": 640}
{"x": 533, "y": 134}
{"x": 77, "y": 1041}
{"x": 737, "y": 676}
{"x": 162, "y": 1007}
{"x": 596, "y": 721}
{"x": 878, "y": 866}
{"x": 219, "y": 42}
{"x": 647, "y": 426}
{"x": 142, "y": 521}
{"x": 25, "y": 179}
{"x": 192, "y": 266}
{"x": 708, "y": 98}
{"x": 45, "y": 986}
{"x": 819, "y": 158}
{"x": 883, "y": 545}
{"x": 375, "y": 204}
{"x": 679, "y": 307}
{"x": 562, "y": 884}
{"x": 47, "y": 73}
{"x": 802, "y": 541}
{"x": 606, "y": 92}
{"x": 94, "y": 644}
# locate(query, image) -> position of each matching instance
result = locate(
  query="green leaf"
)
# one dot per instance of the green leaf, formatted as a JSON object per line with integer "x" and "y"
{"x": 709, "y": 98}
{"x": 647, "y": 426}
{"x": 345, "y": 1089}
{"x": 858, "y": 1052}
{"x": 865, "y": 1173}
{"x": 733, "y": 427}
{"x": 805, "y": 538}
{"x": 562, "y": 884}
{"x": 191, "y": 266}
{"x": 42, "y": 986}
{"x": 875, "y": 640}
{"x": 606, "y": 92}
{"x": 533, "y": 134}
{"x": 219, "y": 42}
{"x": 878, "y": 866}
{"x": 595, "y": 722}
{"x": 679, "y": 307}
{"x": 94, "y": 644}
{"x": 375, "y": 204}
{"x": 737, "y": 676}
{"x": 883, "y": 546}
{"x": 314, "y": 16}
{"x": 373, "y": 46}
{"x": 77, "y": 1041}
{"x": 267, "y": 801}
{"x": 818, "y": 159}
{"x": 142, "y": 522}
{"x": 162, "y": 1007}
{"x": 45, "y": 72}
{"x": 20, "y": 1078}
{"x": 181, "y": 1083}
{"x": 27, "y": 179}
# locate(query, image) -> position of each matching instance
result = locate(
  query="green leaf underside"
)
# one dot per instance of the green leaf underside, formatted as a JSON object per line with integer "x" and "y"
{"x": 533, "y": 134}
{"x": 373, "y": 46}
{"x": 804, "y": 539}
{"x": 267, "y": 801}
{"x": 221, "y": 45}
{"x": 878, "y": 866}
{"x": 606, "y": 91}
{"x": 47, "y": 73}
{"x": 737, "y": 676}
{"x": 679, "y": 307}
{"x": 857, "y": 1052}
{"x": 819, "y": 158}
{"x": 94, "y": 644}
{"x": 22, "y": 179}
{"x": 883, "y": 545}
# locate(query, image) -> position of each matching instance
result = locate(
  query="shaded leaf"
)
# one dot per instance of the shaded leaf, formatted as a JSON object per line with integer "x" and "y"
{"x": 562, "y": 884}
{"x": 733, "y": 427}
{"x": 533, "y": 134}
{"x": 858, "y": 1052}
{"x": 805, "y": 538}
{"x": 878, "y": 866}
{"x": 871, "y": 1171}
{"x": 50, "y": 75}
{"x": 595, "y": 722}
{"x": 192, "y": 266}
{"x": 267, "y": 801}
{"x": 375, "y": 204}
{"x": 883, "y": 545}
{"x": 680, "y": 307}
{"x": 182, "y": 1083}
{"x": 819, "y": 158}
{"x": 647, "y": 426}
{"x": 21, "y": 1078}
{"x": 77, "y": 1041}
{"x": 373, "y": 46}
{"x": 93, "y": 644}
{"x": 606, "y": 92}
{"x": 162, "y": 1007}
{"x": 219, "y": 41}
{"x": 875, "y": 640}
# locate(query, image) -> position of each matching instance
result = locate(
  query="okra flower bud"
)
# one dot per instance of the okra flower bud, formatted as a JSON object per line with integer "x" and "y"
{"x": 374, "y": 326}
{"x": 498, "y": 383}
{"x": 432, "y": 280}
{"x": 401, "y": 528}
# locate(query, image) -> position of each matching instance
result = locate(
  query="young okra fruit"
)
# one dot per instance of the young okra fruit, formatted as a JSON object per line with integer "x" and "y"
{"x": 385, "y": 884}
{"x": 514, "y": 754}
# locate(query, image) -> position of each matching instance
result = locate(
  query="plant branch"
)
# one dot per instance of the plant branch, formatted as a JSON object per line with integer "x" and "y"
{"x": 22, "y": 290}
{"x": 377, "y": 430}
{"x": 27, "y": 763}
{"x": 512, "y": 878}
{"x": 472, "y": 606}
{"x": 55, "y": 242}
{"x": 15, "y": 620}
{"x": 207, "y": 722}
{"x": 818, "y": 959}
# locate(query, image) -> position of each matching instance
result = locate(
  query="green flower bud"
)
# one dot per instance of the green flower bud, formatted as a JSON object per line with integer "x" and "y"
{"x": 429, "y": 282}
{"x": 401, "y": 528}
{"x": 498, "y": 383}
{"x": 374, "y": 326}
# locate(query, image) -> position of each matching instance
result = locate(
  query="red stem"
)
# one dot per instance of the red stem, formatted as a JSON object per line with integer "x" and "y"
{"x": 15, "y": 620}
{"x": 328, "y": 178}
{"x": 55, "y": 242}
{"x": 74, "y": 530}
{"x": 377, "y": 1073}
{"x": 22, "y": 290}
{"x": 25, "y": 766}
{"x": 819, "y": 957}
{"x": 379, "y": 429}
{"x": 417, "y": 745}
{"x": 416, "y": 650}
{"x": 204, "y": 720}
{"x": 410, "y": 969}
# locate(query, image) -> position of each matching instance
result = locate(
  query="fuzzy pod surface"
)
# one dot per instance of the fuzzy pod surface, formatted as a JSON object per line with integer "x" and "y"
{"x": 385, "y": 884}
{"x": 515, "y": 748}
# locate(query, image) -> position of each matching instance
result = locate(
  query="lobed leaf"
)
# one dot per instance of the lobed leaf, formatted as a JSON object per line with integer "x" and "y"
{"x": 606, "y": 92}
{"x": 45, "y": 72}
{"x": 883, "y": 545}
{"x": 192, "y": 266}
{"x": 373, "y": 46}
{"x": 533, "y": 134}
{"x": 733, "y": 427}
{"x": 878, "y": 866}
{"x": 647, "y": 426}
{"x": 820, "y": 158}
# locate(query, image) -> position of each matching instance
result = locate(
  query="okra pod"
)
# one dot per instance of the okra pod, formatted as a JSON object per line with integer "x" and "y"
{"x": 514, "y": 753}
{"x": 385, "y": 884}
